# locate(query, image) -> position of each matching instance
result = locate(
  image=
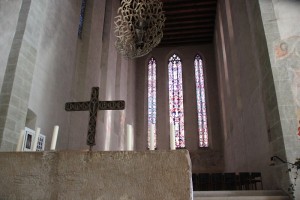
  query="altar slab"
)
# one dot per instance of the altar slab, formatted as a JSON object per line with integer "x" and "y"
{"x": 124, "y": 175}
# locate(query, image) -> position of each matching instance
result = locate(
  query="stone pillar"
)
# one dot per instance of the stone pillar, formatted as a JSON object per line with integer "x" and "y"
{"x": 17, "y": 80}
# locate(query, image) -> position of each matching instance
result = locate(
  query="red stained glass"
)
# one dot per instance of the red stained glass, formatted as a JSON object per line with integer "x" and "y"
{"x": 176, "y": 99}
{"x": 152, "y": 98}
{"x": 201, "y": 104}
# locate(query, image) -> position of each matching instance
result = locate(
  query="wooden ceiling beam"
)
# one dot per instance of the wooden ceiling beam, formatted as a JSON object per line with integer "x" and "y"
{"x": 188, "y": 22}
{"x": 179, "y": 2}
{"x": 190, "y": 10}
{"x": 188, "y": 27}
{"x": 185, "y": 23}
{"x": 184, "y": 34}
{"x": 191, "y": 36}
{"x": 186, "y": 5}
{"x": 185, "y": 42}
{"x": 203, "y": 17}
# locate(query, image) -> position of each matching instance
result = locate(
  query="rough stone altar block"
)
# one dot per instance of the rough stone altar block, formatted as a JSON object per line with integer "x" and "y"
{"x": 80, "y": 175}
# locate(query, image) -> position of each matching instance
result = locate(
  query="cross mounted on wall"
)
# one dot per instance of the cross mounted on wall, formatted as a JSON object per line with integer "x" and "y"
{"x": 93, "y": 106}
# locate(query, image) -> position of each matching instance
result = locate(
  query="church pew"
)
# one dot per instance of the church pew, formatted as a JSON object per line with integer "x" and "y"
{"x": 227, "y": 181}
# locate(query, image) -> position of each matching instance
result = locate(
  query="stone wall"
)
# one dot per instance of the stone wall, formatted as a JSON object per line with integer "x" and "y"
{"x": 246, "y": 89}
{"x": 15, "y": 91}
{"x": 96, "y": 175}
{"x": 9, "y": 11}
{"x": 280, "y": 21}
{"x": 213, "y": 160}
{"x": 57, "y": 67}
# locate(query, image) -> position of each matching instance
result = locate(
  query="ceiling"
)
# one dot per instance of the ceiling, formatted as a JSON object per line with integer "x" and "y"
{"x": 188, "y": 22}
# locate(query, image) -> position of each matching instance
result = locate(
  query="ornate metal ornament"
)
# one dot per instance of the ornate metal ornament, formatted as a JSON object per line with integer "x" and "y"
{"x": 93, "y": 106}
{"x": 138, "y": 27}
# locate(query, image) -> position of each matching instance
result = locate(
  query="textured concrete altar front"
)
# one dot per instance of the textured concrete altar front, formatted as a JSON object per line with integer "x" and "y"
{"x": 97, "y": 175}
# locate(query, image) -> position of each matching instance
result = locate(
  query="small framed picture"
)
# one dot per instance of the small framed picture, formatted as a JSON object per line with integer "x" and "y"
{"x": 29, "y": 140}
{"x": 41, "y": 143}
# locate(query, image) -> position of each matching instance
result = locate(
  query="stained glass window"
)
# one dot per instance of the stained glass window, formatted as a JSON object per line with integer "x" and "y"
{"x": 201, "y": 104}
{"x": 81, "y": 19}
{"x": 176, "y": 99}
{"x": 152, "y": 98}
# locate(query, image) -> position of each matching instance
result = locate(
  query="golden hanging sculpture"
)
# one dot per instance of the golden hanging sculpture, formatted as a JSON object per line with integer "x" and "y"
{"x": 139, "y": 27}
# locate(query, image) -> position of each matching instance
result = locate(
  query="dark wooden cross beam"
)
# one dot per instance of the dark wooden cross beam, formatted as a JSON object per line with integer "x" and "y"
{"x": 93, "y": 106}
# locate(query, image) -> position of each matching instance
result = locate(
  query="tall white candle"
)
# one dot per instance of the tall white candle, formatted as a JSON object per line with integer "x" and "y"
{"x": 54, "y": 138}
{"x": 129, "y": 137}
{"x": 36, "y": 139}
{"x": 172, "y": 137}
{"x": 20, "y": 141}
{"x": 152, "y": 126}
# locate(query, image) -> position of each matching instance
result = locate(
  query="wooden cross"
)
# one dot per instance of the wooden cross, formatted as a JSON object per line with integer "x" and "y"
{"x": 93, "y": 106}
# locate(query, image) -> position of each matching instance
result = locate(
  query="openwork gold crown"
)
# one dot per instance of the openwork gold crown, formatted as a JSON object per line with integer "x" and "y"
{"x": 138, "y": 27}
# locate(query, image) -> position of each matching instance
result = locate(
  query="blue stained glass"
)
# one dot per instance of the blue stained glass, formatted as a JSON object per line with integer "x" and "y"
{"x": 81, "y": 19}
{"x": 201, "y": 104}
{"x": 152, "y": 98}
{"x": 176, "y": 99}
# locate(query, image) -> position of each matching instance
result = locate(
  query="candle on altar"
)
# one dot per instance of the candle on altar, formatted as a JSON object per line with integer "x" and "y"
{"x": 129, "y": 137}
{"x": 152, "y": 127}
{"x": 36, "y": 139}
{"x": 172, "y": 137}
{"x": 20, "y": 141}
{"x": 54, "y": 138}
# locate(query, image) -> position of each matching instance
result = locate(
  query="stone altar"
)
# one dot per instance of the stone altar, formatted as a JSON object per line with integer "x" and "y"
{"x": 125, "y": 175}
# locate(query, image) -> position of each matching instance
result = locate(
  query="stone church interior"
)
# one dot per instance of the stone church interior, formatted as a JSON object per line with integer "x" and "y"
{"x": 203, "y": 93}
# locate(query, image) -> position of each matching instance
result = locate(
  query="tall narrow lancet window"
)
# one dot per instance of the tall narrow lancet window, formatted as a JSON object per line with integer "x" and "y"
{"x": 81, "y": 19}
{"x": 152, "y": 99}
{"x": 201, "y": 104}
{"x": 176, "y": 99}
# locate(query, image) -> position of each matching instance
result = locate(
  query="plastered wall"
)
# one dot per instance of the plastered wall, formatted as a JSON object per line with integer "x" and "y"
{"x": 55, "y": 65}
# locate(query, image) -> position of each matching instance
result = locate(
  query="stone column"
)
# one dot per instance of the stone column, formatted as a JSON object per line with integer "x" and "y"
{"x": 17, "y": 80}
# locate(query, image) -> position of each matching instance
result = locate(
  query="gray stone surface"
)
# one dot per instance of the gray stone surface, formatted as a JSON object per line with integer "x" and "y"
{"x": 54, "y": 66}
{"x": 98, "y": 175}
{"x": 283, "y": 40}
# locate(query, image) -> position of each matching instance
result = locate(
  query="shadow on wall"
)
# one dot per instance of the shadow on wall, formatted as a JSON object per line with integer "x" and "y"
{"x": 30, "y": 119}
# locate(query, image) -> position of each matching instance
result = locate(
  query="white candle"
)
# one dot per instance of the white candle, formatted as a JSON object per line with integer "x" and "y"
{"x": 172, "y": 137}
{"x": 152, "y": 126}
{"x": 54, "y": 138}
{"x": 129, "y": 137}
{"x": 36, "y": 139}
{"x": 20, "y": 141}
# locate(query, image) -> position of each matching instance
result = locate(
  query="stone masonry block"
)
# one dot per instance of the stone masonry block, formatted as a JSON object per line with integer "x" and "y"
{"x": 15, "y": 101}
{"x": 4, "y": 99}
{"x": 289, "y": 126}
{"x": 3, "y": 111}
{"x": 96, "y": 175}
{"x": 10, "y": 124}
{"x": 11, "y": 136}
{"x": 7, "y": 146}
{"x": 15, "y": 113}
